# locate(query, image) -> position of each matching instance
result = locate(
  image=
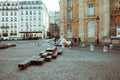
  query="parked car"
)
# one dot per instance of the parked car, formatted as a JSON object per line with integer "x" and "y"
{"x": 61, "y": 42}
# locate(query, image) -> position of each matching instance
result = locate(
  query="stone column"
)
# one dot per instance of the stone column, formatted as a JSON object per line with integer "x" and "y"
{"x": 81, "y": 19}
{"x": 106, "y": 13}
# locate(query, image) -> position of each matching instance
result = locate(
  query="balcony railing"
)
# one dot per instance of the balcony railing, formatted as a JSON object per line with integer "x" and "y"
{"x": 4, "y": 34}
{"x": 4, "y": 27}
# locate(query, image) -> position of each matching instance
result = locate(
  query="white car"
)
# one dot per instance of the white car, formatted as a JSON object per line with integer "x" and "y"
{"x": 60, "y": 42}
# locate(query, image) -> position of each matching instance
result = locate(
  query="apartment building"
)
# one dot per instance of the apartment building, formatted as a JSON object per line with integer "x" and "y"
{"x": 23, "y": 19}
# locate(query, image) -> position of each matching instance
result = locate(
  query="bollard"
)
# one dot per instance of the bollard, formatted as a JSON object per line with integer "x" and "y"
{"x": 62, "y": 45}
{"x": 91, "y": 47}
{"x": 105, "y": 49}
{"x": 110, "y": 46}
{"x": 83, "y": 45}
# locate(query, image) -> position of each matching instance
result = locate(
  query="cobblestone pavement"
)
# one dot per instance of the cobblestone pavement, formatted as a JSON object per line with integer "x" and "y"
{"x": 73, "y": 64}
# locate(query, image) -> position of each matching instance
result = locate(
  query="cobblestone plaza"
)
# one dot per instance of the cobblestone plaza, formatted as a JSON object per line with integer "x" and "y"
{"x": 73, "y": 64}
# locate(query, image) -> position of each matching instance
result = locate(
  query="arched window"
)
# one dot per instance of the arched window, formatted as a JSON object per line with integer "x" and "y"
{"x": 91, "y": 29}
{"x": 69, "y": 31}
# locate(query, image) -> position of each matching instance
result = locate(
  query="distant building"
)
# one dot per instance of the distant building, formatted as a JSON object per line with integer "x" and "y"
{"x": 23, "y": 19}
{"x": 54, "y": 17}
{"x": 54, "y": 23}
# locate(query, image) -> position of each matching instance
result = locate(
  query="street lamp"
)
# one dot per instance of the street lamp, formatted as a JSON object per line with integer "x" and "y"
{"x": 97, "y": 19}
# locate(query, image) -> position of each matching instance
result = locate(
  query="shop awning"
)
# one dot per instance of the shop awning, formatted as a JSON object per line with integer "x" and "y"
{"x": 31, "y": 32}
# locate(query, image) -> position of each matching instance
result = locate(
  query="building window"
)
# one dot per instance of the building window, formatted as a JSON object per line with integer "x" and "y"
{"x": 69, "y": 31}
{"x": 2, "y": 13}
{"x": 91, "y": 9}
{"x": 11, "y": 13}
{"x": 6, "y": 14}
{"x": 91, "y": 29}
{"x": 11, "y": 19}
{"x": 15, "y": 13}
{"x": 34, "y": 18}
{"x": 15, "y": 19}
{"x": 21, "y": 12}
{"x": 2, "y": 19}
{"x": 26, "y": 12}
{"x": 39, "y": 12}
{"x": 69, "y": 3}
{"x": 21, "y": 19}
{"x": 34, "y": 12}
{"x": 69, "y": 15}
{"x": 21, "y": 7}
{"x": 30, "y": 12}
{"x": 6, "y": 19}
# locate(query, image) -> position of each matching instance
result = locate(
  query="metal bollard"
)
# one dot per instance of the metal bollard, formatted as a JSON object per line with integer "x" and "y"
{"x": 91, "y": 47}
{"x": 83, "y": 45}
{"x": 105, "y": 49}
{"x": 63, "y": 45}
{"x": 110, "y": 46}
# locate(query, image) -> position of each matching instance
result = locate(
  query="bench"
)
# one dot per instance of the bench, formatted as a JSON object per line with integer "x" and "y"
{"x": 48, "y": 58}
{"x": 37, "y": 61}
{"x": 60, "y": 51}
{"x": 42, "y": 52}
{"x": 44, "y": 55}
{"x": 24, "y": 64}
{"x": 51, "y": 49}
{"x": 54, "y": 55}
{"x": 50, "y": 53}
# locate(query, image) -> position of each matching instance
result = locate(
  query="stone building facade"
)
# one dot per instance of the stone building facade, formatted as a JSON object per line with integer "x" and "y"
{"x": 87, "y": 19}
{"x": 69, "y": 18}
{"x": 115, "y": 21}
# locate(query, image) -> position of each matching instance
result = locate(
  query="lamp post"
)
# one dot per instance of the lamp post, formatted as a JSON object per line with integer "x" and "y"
{"x": 97, "y": 19}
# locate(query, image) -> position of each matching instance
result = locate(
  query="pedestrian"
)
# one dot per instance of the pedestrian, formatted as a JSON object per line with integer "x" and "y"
{"x": 79, "y": 42}
{"x": 72, "y": 43}
{"x": 75, "y": 42}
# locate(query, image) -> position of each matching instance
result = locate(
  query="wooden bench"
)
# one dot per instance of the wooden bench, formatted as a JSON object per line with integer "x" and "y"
{"x": 54, "y": 55}
{"x": 48, "y": 58}
{"x": 51, "y": 49}
{"x": 44, "y": 55}
{"x": 24, "y": 64}
{"x": 50, "y": 53}
{"x": 60, "y": 51}
{"x": 42, "y": 52}
{"x": 37, "y": 61}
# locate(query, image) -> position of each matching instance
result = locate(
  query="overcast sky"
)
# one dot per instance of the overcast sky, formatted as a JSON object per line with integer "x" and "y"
{"x": 52, "y": 5}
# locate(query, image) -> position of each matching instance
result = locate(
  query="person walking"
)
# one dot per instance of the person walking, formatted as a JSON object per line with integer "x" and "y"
{"x": 72, "y": 42}
{"x": 79, "y": 41}
{"x": 75, "y": 42}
